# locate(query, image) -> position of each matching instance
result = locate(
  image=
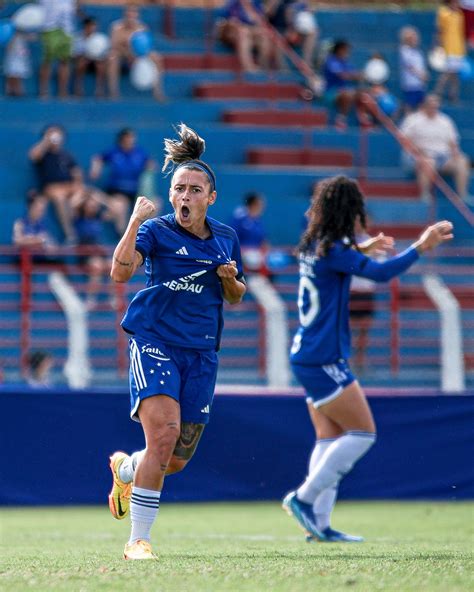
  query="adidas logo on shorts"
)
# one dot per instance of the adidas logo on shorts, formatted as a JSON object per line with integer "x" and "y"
{"x": 205, "y": 409}
{"x": 182, "y": 251}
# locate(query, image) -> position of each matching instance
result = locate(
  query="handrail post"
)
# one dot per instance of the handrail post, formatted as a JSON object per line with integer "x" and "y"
{"x": 25, "y": 308}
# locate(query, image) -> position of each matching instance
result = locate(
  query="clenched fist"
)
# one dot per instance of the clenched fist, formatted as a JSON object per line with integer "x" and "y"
{"x": 143, "y": 209}
{"x": 229, "y": 270}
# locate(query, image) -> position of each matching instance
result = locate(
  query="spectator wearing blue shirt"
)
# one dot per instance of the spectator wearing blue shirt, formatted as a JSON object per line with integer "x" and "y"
{"x": 126, "y": 163}
{"x": 341, "y": 79}
{"x": 413, "y": 73}
{"x": 241, "y": 26}
{"x": 248, "y": 225}
{"x": 31, "y": 230}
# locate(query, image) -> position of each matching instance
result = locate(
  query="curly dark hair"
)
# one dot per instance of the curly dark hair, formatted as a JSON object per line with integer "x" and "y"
{"x": 336, "y": 205}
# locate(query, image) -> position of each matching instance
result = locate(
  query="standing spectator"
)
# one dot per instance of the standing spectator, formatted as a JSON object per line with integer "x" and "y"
{"x": 413, "y": 72}
{"x": 57, "y": 43}
{"x": 83, "y": 63}
{"x": 341, "y": 79}
{"x": 31, "y": 230}
{"x": 127, "y": 162}
{"x": 17, "y": 64}
{"x": 121, "y": 53}
{"x": 467, "y": 6}
{"x": 248, "y": 224}
{"x": 39, "y": 367}
{"x": 436, "y": 137}
{"x": 241, "y": 27}
{"x": 450, "y": 23}
{"x": 59, "y": 177}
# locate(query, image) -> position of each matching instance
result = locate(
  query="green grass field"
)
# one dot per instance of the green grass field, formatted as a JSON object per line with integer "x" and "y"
{"x": 240, "y": 547}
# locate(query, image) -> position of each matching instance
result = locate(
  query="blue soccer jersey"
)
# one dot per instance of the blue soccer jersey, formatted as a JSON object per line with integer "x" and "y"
{"x": 323, "y": 299}
{"x": 182, "y": 303}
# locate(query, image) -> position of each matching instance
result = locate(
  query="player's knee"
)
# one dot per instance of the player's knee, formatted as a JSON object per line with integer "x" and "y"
{"x": 163, "y": 441}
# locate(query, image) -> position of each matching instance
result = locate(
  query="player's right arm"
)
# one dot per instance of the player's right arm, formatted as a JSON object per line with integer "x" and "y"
{"x": 126, "y": 258}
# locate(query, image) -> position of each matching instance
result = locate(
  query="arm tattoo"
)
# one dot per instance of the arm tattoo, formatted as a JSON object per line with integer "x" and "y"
{"x": 124, "y": 263}
{"x": 188, "y": 440}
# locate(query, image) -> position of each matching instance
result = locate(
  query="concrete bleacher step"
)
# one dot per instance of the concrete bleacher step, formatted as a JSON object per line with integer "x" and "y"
{"x": 198, "y": 61}
{"x": 399, "y": 231}
{"x": 398, "y": 189}
{"x": 248, "y": 90}
{"x": 289, "y": 156}
{"x": 277, "y": 117}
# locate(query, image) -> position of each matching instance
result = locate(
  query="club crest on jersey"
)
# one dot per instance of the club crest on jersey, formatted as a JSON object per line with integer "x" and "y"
{"x": 186, "y": 283}
{"x": 154, "y": 352}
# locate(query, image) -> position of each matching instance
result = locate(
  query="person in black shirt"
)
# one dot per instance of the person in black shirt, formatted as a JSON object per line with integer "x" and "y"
{"x": 59, "y": 176}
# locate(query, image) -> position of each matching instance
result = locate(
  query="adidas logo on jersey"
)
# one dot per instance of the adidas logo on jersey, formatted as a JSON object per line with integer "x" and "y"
{"x": 205, "y": 409}
{"x": 182, "y": 251}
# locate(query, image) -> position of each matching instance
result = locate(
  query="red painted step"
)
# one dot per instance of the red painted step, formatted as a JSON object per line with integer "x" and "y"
{"x": 399, "y": 231}
{"x": 414, "y": 298}
{"x": 398, "y": 189}
{"x": 248, "y": 90}
{"x": 277, "y": 117}
{"x": 191, "y": 61}
{"x": 289, "y": 156}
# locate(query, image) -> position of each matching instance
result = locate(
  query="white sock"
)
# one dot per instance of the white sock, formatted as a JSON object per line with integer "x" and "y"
{"x": 338, "y": 459}
{"x": 129, "y": 465}
{"x": 324, "y": 503}
{"x": 144, "y": 505}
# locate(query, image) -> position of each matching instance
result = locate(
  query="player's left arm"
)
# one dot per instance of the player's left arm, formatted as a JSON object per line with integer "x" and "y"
{"x": 233, "y": 288}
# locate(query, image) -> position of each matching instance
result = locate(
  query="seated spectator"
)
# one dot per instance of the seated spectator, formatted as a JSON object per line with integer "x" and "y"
{"x": 57, "y": 40}
{"x": 467, "y": 6}
{"x": 450, "y": 23}
{"x": 17, "y": 64}
{"x": 341, "y": 78}
{"x": 121, "y": 54}
{"x": 436, "y": 137}
{"x": 413, "y": 73}
{"x": 241, "y": 27}
{"x": 126, "y": 163}
{"x": 40, "y": 364}
{"x": 248, "y": 224}
{"x": 59, "y": 177}
{"x": 31, "y": 230}
{"x": 82, "y": 63}
{"x": 295, "y": 20}
{"x": 90, "y": 212}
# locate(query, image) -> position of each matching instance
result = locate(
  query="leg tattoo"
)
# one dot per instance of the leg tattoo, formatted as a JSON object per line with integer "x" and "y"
{"x": 188, "y": 440}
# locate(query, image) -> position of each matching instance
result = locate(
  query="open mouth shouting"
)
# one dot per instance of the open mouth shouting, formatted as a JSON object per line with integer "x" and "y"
{"x": 185, "y": 213}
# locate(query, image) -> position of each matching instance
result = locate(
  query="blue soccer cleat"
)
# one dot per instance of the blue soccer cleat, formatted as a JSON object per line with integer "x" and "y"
{"x": 303, "y": 514}
{"x": 335, "y": 536}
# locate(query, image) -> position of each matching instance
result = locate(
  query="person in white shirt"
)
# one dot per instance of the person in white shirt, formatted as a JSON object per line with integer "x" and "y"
{"x": 436, "y": 137}
{"x": 413, "y": 72}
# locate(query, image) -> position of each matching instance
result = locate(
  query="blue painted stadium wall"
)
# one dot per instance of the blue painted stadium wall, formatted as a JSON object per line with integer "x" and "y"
{"x": 255, "y": 447}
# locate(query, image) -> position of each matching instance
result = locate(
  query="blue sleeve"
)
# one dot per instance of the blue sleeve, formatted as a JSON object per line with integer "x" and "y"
{"x": 106, "y": 156}
{"x": 347, "y": 260}
{"x": 237, "y": 257}
{"x": 146, "y": 240}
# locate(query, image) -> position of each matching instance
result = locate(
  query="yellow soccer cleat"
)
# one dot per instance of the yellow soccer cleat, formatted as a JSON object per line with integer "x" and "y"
{"x": 119, "y": 496}
{"x": 138, "y": 550}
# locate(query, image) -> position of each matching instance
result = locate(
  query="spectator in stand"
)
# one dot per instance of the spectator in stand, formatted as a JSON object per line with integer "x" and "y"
{"x": 450, "y": 23}
{"x": 467, "y": 7}
{"x": 57, "y": 43}
{"x": 295, "y": 20}
{"x": 82, "y": 63}
{"x": 240, "y": 26}
{"x": 40, "y": 364}
{"x": 17, "y": 64}
{"x": 121, "y": 54}
{"x": 413, "y": 72}
{"x": 90, "y": 212}
{"x": 59, "y": 177}
{"x": 127, "y": 162}
{"x": 31, "y": 231}
{"x": 248, "y": 224}
{"x": 341, "y": 80}
{"x": 436, "y": 137}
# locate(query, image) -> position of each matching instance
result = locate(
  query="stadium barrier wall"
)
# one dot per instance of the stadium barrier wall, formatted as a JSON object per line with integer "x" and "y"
{"x": 55, "y": 447}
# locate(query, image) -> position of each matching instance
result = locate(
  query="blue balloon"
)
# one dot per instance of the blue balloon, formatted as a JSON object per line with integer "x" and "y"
{"x": 387, "y": 103}
{"x": 6, "y": 32}
{"x": 141, "y": 43}
{"x": 467, "y": 70}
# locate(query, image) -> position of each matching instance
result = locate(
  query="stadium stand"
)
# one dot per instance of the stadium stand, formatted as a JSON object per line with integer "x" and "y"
{"x": 262, "y": 136}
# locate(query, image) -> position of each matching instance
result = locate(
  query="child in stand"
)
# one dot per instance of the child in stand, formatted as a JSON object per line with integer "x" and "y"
{"x": 17, "y": 64}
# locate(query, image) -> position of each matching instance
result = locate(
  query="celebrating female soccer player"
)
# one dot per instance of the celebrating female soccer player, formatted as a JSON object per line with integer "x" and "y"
{"x": 339, "y": 411}
{"x": 192, "y": 264}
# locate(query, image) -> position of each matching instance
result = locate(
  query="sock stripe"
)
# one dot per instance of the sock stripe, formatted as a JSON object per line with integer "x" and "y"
{"x": 157, "y": 507}
{"x": 145, "y": 497}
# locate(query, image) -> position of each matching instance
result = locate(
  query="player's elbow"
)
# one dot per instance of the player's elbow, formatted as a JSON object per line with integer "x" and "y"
{"x": 119, "y": 276}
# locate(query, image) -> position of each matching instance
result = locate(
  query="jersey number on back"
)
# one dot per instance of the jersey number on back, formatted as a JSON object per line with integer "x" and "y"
{"x": 312, "y": 305}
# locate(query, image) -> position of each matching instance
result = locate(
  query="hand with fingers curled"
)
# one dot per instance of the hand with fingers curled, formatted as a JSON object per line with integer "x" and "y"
{"x": 434, "y": 235}
{"x": 228, "y": 270}
{"x": 143, "y": 209}
{"x": 377, "y": 245}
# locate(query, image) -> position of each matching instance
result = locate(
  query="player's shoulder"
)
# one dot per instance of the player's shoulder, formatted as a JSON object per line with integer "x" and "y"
{"x": 220, "y": 229}
{"x": 159, "y": 223}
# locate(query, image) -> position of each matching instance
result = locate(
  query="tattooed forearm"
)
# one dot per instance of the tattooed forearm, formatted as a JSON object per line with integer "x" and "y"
{"x": 123, "y": 263}
{"x": 188, "y": 440}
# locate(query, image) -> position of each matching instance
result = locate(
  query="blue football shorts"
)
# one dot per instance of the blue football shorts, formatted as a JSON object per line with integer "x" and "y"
{"x": 325, "y": 383}
{"x": 187, "y": 376}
